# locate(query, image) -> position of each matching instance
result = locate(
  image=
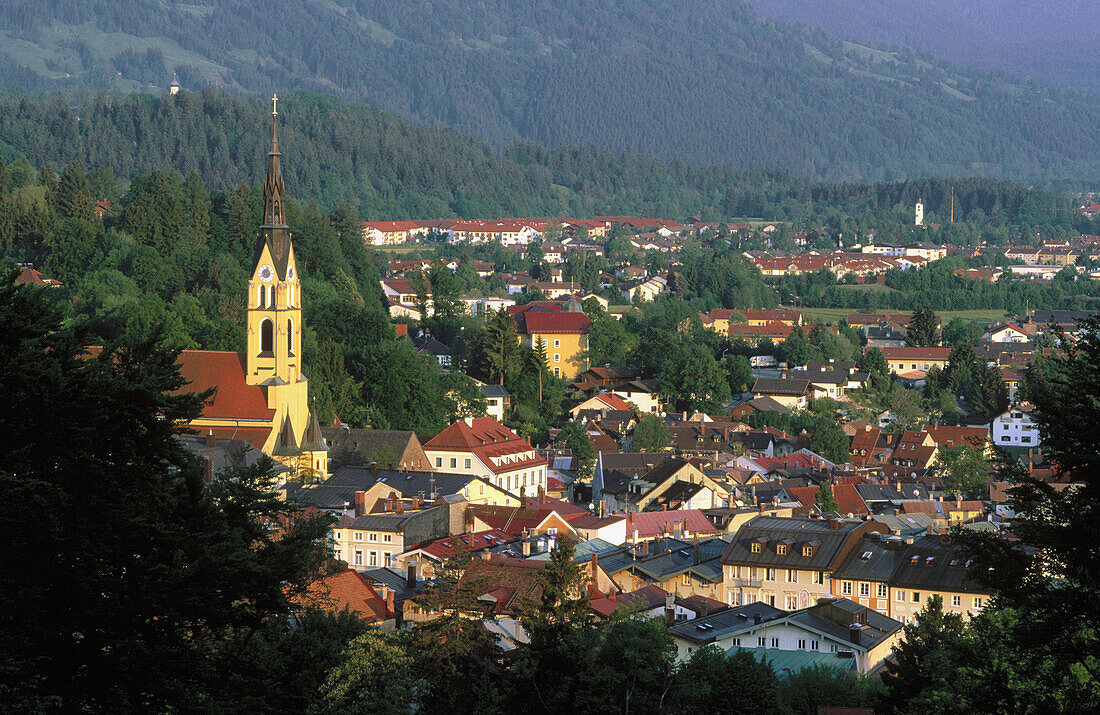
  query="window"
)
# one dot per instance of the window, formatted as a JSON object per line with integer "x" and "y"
{"x": 454, "y": 462}
{"x": 557, "y": 372}
{"x": 439, "y": 461}
{"x": 387, "y": 538}
{"x": 775, "y": 642}
{"x": 792, "y": 603}
{"x": 372, "y": 537}
{"x": 819, "y": 577}
{"x": 792, "y": 576}
{"x": 755, "y": 548}
{"x": 771, "y": 601}
{"x": 832, "y": 647}
{"x": 979, "y": 602}
{"x": 807, "y": 551}
{"x": 557, "y": 357}
{"x": 358, "y": 557}
{"x": 685, "y": 579}
{"x": 761, "y": 641}
{"x": 802, "y": 644}
{"x": 882, "y": 590}
{"x": 389, "y": 560}
{"x": 271, "y": 296}
{"x": 267, "y": 336}
{"x": 358, "y": 536}
{"x": 781, "y": 549}
{"x": 467, "y": 462}
{"x": 846, "y": 588}
{"x": 916, "y": 596}
{"x": 552, "y": 530}
{"x": 338, "y": 535}
{"x": 543, "y": 343}
{"x": 864, "y": 588}
{"x": 260, "y": 298}
{"x": 557, "y": 343}
{"x": 956, "y": 601}
{"x": 481, "y": 490}
{"x": 769, "y": 574}
{"x": 737, "y": 642}
{"x": 290, "y": 336}
{"x": 900, "y": 596}
{"x": 374, "y": 558}
{"x": 815, "y": 645}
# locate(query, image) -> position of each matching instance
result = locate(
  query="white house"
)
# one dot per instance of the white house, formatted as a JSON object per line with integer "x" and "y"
{"x": 1015, "y": 428}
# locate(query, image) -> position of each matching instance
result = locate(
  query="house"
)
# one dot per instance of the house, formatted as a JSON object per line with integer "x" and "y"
{"x": 644, "y": 290}
{"x": 497, "y": 401}
{"x": 788, "y": 562}
{"x": 770, "y": 316}
{"x": 849, "y": 502}
{"x": 614, "y": 471}
{"x": 603, "y": 403}
{"x": 837, "y": 633}
{"x": 673, "y": 484}
{"x": 29, "y": 276}
{"x": 371, "y": 539}
{"x": 350, "y": 446}
{"x": 1011, "y": 379}
{"x": 864, "y": 576}
{"x": 483, "y": 447}
{"x": 947, "y": 436}
{"x": 563, "y": 336}
{"x": 427, "y": 345}
{"x": 908, "y": 358}
{"x": 1005, "y": 333}
{"x": 791, "y": 392}
{"x": 933, "y": 565}
{"x": 390, "y": 233}
{"x": 642, "y": 394}
{"x": 679, "y": 567}
{"x": 890, "y": 335}
{"x": 759, "y": 405}
{"x": 1016, "y": 428}
{"x": 603, "y": 377}
{"x": 427, "y": 558}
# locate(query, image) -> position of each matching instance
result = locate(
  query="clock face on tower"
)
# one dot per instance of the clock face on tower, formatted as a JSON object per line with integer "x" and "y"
{"x": 290, "y": 273}
{"x": 266, "y": 273}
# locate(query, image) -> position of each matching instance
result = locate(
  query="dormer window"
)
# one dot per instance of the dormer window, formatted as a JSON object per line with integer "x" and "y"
{"x": 807, "y": 551}
{"x": 781, "y": 549}
{"x": 755, "y": 547}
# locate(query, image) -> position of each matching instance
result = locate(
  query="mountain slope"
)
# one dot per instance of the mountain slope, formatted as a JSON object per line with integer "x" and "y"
{"x": 705, "y": 81}
{"x": 1053, "y": 41}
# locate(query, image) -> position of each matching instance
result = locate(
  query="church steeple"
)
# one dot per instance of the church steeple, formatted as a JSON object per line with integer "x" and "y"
{"x": 274, "y": 216}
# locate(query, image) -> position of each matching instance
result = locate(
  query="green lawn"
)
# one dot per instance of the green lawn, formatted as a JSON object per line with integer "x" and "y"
{"x": 834, "y": 315}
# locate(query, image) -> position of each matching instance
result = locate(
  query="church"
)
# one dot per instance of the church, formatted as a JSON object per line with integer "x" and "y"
{"x": 261, "y": 396}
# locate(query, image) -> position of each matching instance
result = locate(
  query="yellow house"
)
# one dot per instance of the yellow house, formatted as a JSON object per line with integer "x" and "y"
{"x": 908, "y": 359}
{"x": 563, "y": 336}
{"x": 934, "y": 567}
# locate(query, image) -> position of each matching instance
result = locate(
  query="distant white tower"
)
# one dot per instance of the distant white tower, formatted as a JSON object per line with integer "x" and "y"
{"x": 918, "y": 219}
{"x": 174, "y": 88}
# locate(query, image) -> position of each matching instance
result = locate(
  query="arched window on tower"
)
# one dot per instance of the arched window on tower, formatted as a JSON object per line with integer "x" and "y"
{"x": 271, "y": 296}
{"x": 267, "y": 336}
{"x": 260, "y": 298}
{"x": 289, "y": 296}
{"x": 290, "y": 336}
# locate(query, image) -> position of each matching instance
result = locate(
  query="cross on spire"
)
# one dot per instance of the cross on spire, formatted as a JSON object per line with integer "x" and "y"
{"x": 274, "y": 105}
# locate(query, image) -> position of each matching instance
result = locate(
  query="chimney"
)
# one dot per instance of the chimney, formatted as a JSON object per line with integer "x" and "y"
{"x": 670, "y": 609}
{"x": 853, "y": 632}
{"x": 210, "y": 441}
{"x": 410, "y": 580}
{"x": 360, "y": 503}
{"x": 897, "y": 512}
{"x": 374, "y": 467}
{"x": 208, "y": 469}
{"x": 645, "y": 548}
{"x": 635, "y": 539}
{"x": 695, "y": 555}
{"x": 756, "y": 619}
{"x": 526, "y": 548}
{"x": 761, "y": 508}
{"x": 389, "y": 602}
{"x": 834, "y": 524}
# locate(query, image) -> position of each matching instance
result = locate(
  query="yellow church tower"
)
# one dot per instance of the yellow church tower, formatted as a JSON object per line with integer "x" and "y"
{"x": 274, "y": 346}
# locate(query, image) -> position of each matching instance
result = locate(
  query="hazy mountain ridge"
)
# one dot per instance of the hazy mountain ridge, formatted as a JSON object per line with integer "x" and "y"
{"x": 705, "y": 81}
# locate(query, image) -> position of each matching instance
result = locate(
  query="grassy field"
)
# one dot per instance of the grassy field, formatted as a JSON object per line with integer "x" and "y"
{"x": 395, "y": 251}
{"x": 833, "y": 315}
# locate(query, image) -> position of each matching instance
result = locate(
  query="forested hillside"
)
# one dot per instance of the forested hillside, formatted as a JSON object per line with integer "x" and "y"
{"x": 388, "y": 168}
{"x": 705, "y": 81}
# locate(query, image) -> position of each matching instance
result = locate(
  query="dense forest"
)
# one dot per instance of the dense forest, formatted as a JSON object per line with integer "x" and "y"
{"x": 388, "y": 168}
{"x": 705, "y": 81}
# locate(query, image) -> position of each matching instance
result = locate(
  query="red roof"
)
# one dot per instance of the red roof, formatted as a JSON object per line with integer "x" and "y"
{"x": 448, "y": 546}
{"x": 30, "y": 275}
{"x": 348, "y": 589}
{"x": 486, "y": 438}
{"x": 225, "y": 372}
{"x": 657, "y": 523}
{"x": 531, "y": 322}
{"x": 848, "y": 500}
{"x": 952, "y": 436}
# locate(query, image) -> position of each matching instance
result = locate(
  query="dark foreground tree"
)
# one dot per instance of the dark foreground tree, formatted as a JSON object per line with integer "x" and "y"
{"x": 125, "y": 577}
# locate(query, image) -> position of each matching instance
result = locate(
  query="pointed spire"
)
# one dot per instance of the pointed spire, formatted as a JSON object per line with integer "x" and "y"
{"x": 273, "y": 185}
{"x": 286, "y": 445}
{"x": 313, "y": 441}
